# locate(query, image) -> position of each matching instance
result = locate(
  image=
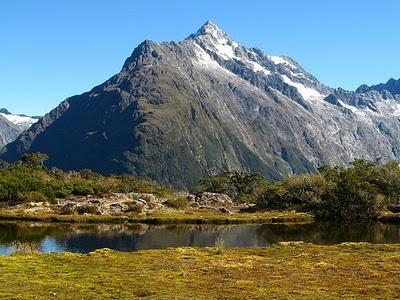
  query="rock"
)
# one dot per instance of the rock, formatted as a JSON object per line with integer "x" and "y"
{"x": 191, "y": 198}
{"x": 213, "y": 200}
{"x": 34, "y": 204}
{"x": 224, "y": 210}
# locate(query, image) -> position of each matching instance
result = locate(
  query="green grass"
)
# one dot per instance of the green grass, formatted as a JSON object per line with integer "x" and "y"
{"x": 165, "y": 217}
{"x": 290, "y": 271}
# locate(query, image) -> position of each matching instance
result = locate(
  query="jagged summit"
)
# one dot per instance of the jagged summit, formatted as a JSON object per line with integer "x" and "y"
{"x": 210, "y": 29}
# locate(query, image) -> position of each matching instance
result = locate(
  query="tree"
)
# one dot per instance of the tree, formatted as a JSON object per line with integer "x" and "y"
{"x": 34, "y": 160}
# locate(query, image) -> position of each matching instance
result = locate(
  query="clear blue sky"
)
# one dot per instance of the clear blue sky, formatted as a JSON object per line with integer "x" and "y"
{"x": 52, "y": 49}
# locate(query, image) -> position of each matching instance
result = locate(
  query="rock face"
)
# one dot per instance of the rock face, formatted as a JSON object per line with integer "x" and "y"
{"x": 179, "y": 111}
{"x": 392, "y": 86}
{"x": 11, "y": 126}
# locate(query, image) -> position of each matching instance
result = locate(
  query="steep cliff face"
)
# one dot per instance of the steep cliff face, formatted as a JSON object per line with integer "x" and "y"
{"x": 179, "y": 111}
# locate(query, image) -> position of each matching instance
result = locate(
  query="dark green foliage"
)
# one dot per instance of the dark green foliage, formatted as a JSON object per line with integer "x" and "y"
{"x": 239, "y": 185}
{"x": 29, "y": 181}
{"x": 87, "y": 209}
{"x": 34, "y": 160}
{"x": 359, "y": 191}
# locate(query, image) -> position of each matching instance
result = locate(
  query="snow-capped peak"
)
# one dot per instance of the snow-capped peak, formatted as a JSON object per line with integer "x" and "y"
{"x": 210, "y": 29}
{"x": 21, "y": 121}
{"x": 213, "y": 38}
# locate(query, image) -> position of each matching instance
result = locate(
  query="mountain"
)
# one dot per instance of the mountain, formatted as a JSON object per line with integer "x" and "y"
{"x": 12, "y": 125}
{"x": 392, "y": 86}
{"x": 178, "y": 111}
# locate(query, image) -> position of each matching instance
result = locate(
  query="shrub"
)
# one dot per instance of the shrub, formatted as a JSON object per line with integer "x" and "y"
{"x": 239, "y": 185}
{"x": 34, "y": 160}
{"x": 87, "y": 209}
{"x": 82, "y": 188}
{"x": 34, "y": 197}
{"x": 177, "y": 203}
{"x": 134, "y": 207}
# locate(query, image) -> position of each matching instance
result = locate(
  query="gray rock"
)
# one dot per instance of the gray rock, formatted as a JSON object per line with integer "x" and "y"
{"x": 213, "y": 200}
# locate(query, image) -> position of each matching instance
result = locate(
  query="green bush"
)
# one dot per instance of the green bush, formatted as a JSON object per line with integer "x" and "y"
{"x": 82, "y": 188}
{"x": 359, "y": 191}
{"x": 239, "y": 185}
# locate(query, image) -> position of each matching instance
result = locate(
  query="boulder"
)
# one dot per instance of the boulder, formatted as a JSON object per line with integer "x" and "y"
{"x": 213, "y": 200}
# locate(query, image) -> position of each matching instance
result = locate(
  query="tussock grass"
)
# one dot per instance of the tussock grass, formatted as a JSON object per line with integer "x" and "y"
{"x": 290, "y": 270}
{"x": 25, "y": 248}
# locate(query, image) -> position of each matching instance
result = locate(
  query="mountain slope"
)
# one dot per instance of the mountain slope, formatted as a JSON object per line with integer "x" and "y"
{"x": 179, "y": 111}
{"x": 11, "y": 126}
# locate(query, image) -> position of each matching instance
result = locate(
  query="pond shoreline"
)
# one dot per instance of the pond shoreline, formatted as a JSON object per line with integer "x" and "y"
{"x": 168, "y": 217}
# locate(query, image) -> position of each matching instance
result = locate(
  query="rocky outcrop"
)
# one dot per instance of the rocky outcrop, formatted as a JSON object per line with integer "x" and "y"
{"x": 130, "y": 203}
{"x": 113, "y": 204}
{"x": 211, "y": 200}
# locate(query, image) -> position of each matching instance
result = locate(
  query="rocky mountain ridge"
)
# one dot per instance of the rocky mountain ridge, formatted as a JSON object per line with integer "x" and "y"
{"x": 392, "y": 86}
{"x": 179, "y": 111}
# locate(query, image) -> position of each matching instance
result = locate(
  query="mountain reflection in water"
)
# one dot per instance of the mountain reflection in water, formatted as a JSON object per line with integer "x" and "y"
{"x": 86, "y": 238}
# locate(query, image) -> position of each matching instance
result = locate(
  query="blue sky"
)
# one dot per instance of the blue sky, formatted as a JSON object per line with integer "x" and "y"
{"x": 50, "y": 49}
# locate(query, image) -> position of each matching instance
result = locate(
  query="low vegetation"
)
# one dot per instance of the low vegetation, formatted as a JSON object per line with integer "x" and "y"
{"x": 29, "y": 181}
{"x": 288, "y": 270}
{"x": 239, "y": 185}
{"x": 188, "y": 216}
{"x": 361, "y": 191}
{"x": 364, "y": 190}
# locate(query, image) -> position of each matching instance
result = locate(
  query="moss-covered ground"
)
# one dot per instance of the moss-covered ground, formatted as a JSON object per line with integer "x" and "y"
{"x": 291, "y": 271}
{"x": 165, "y": 217}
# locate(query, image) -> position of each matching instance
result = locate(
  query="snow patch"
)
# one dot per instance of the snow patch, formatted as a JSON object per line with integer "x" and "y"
{"x": 204, "y": 60}
{"x": 279, "y": 60}
{"x": 306, "y": 92}
{"x": 259, "y": 68}
{"x": 352, "y": 108}
{"x": 18, "y": 120}
{"x": 225, "y": 51}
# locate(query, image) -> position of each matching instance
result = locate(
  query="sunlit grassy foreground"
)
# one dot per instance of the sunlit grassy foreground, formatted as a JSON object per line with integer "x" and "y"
{"x": 286, "y": 270}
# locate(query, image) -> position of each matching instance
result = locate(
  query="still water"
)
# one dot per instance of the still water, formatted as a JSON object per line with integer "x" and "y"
{"x": 83, "y": 239}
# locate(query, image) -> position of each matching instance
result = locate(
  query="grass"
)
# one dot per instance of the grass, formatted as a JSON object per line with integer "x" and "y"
{"x": 165, "y": 217}
{"x": 288, "y": 270}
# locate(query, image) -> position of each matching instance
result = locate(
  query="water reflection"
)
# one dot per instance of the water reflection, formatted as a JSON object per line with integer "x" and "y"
{"x": 79, "y": 238}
